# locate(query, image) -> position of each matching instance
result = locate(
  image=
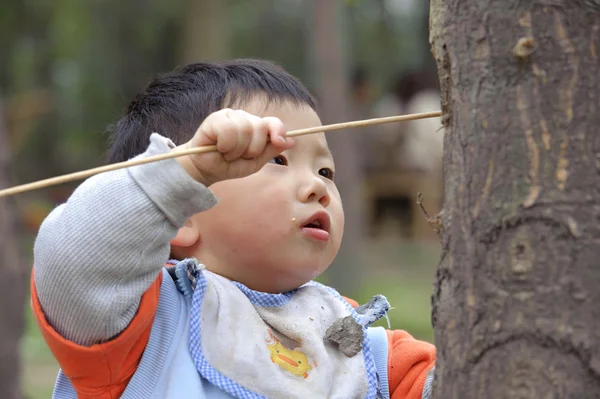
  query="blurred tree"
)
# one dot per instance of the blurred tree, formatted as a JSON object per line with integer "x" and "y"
{"x": 12, "y": 282}
{"x": 205, "y": 31}
{"x": 332, "y": 91}
{"x": 516, "y": 304}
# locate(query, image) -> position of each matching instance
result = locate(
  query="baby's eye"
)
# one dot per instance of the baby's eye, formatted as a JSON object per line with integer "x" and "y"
{"x": 279, "y": 160}
{"x": 326, "y": 173}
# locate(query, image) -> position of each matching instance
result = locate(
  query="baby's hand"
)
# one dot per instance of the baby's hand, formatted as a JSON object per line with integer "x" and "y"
{"x": 245, "y": 143}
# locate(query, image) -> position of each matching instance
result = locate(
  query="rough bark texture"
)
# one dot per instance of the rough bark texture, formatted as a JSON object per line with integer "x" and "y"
{"x": 12, "y": 288}
{"x": 517, "y": 296}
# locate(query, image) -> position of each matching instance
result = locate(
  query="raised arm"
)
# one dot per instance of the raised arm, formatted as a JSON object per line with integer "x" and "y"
{"x": 97, "y": 254}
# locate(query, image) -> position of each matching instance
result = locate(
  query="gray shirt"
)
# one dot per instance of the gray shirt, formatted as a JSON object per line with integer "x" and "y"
{"x": 99, "y": 252}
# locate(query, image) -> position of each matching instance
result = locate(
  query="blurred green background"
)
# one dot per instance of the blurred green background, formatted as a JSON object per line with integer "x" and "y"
{"x": 69, "y": 67}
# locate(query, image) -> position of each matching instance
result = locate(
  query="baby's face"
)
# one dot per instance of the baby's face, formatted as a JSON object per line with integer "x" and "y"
{"x": 282, "y": 226}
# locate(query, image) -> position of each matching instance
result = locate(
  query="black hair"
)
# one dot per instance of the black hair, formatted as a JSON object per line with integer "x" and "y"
{"x": 176, "y": 103}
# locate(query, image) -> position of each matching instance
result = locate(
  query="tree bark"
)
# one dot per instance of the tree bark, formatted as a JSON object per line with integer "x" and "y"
{"x": 12, "y": 288}
{"x": 516, "y": 305}
{"x": 332, "y": 93}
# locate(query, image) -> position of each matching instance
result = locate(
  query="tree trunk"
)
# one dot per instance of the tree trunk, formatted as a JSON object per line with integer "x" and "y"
{"x": 516, "y": 307}
{"x": 12, "y": 289}
{"x": 332, "y": 93}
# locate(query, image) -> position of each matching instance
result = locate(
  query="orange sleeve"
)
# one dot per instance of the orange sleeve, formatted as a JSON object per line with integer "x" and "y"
{"x": 352, "y": 302}
{"x": 102, "y": 371}
{"x": 409, "y": 361}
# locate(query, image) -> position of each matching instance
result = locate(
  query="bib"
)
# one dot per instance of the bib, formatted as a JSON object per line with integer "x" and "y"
{"x": 307, "y": 343}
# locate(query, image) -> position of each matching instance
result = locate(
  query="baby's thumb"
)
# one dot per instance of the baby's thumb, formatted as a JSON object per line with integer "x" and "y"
{"x": 277, "y": 132}
{"x": 271, "y": 151}
{"x": 277, "y": 142}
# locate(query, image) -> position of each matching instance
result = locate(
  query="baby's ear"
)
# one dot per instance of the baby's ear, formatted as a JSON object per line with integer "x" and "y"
{"x": 187, "y": 236}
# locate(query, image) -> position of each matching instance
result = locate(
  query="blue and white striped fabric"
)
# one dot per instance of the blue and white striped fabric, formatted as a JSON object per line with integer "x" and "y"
{"x": 428, "y": 387}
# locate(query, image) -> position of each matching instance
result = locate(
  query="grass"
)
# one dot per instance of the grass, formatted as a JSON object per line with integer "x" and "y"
{"x": 402, "y": 272}
{"x": 39, "y": 368}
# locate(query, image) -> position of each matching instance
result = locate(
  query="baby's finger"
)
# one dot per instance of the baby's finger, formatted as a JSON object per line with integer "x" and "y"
{"x": 259, "y": 139}
{"x": 277, "y": 133}
{"x": 215, "y": 123}
{"x": 244, "y": 131}
{"x": 271, "y": 152}
{"x": 224, "y": 133}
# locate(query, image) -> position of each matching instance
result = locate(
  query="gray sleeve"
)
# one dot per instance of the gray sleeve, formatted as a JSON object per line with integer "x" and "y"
{"x": 99, "y": 252}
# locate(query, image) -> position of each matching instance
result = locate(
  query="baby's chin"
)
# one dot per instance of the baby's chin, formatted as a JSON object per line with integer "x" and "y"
{"x": 300, "y": 280}
{"x": 272, "y": 275}
{"x": 285, "y": 282}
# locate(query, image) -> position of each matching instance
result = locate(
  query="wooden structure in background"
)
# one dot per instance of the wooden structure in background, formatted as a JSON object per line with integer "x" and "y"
{"x": 398, "y": 186}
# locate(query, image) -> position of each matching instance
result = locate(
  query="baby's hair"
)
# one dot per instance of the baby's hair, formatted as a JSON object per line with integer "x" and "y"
{"x": 175, "y": 104}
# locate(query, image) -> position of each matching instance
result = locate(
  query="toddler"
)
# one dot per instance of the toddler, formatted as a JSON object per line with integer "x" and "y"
{"x": 192, "y": 277}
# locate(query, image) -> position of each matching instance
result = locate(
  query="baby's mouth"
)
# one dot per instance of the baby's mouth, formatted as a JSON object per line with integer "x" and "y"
{"x": 317, "y": 226}
{"x": 319, "y": 220}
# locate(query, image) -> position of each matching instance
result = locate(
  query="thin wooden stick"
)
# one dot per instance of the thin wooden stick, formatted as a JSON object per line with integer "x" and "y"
{"x": 199, "y": 150}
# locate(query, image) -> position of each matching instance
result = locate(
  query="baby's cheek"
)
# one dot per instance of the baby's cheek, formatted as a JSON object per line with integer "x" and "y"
{"x": 273, "y": 209}
{"x": 264, "y": 230}
{"x": 337, "y": 227}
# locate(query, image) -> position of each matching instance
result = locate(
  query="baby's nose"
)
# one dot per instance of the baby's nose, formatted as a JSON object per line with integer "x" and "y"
{"x": 315, "y": 190}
